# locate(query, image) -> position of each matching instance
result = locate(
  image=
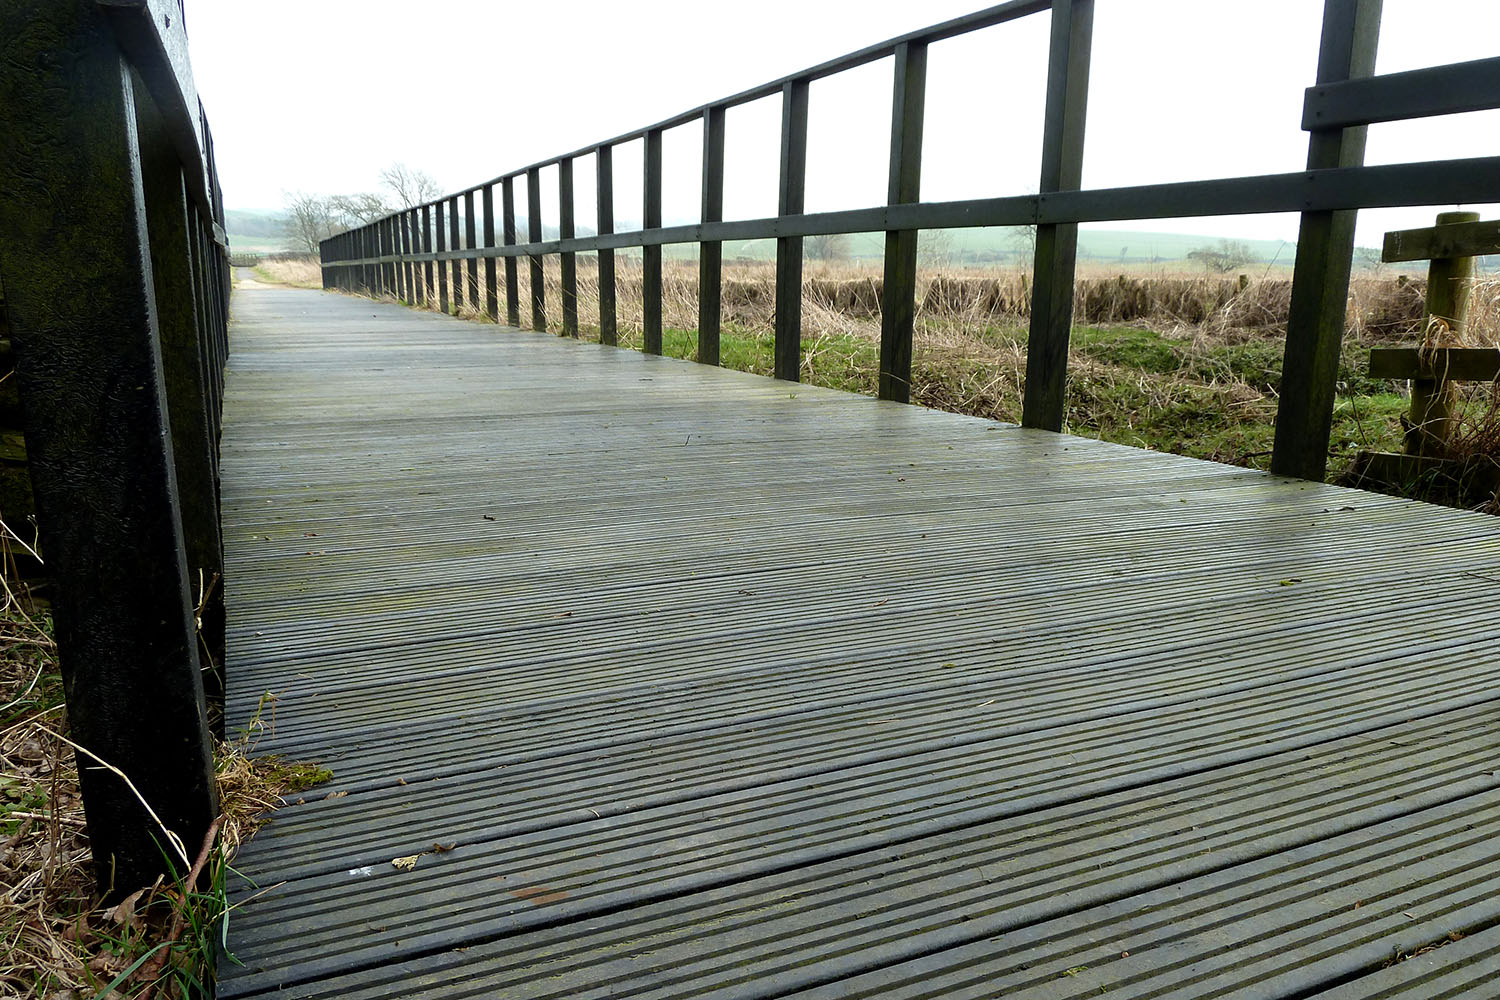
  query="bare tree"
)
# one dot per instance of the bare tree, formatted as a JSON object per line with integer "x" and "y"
{"x": 826, "y": 246}
{"x": 412, "y": 187}
{"x": 1024, "y": 241}
{"x": 1225, "y": 257}
{"x": 358, "y": 209}
{"x": 935, "y": 248}
{"x": 310, "y": 219}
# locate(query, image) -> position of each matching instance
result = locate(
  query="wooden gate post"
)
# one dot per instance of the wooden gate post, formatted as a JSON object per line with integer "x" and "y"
{"x": 81, "y": 306}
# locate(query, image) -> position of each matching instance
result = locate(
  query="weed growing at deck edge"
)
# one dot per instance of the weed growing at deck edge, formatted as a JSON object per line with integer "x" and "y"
{"x": 60, "y": 941}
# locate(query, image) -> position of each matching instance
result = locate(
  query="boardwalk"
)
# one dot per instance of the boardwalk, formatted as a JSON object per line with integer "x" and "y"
{"x": 683, "y": 682}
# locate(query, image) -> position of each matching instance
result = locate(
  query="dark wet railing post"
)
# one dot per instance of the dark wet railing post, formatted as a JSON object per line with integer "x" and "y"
{"x": 604, "y": 170}
{"x": 413, "y": 227}
{"x": 392, "y": 268}
{"x": 404, "y": 221}
{"x": 899, "y": 289}
{"x": 427, "y": 265}
{"x": 1325, "y": 254}
{"x": 534, "y": 235}
{"x": 1046, "y": 398}
{"x": 711, "y": 252}
{"x": 792, "y": 189}
{"x": 85, "y": 325}
{"x": 491, "y": 290}
{"x": 371, "y": 250}
{"x": 471, "y": 240}
{"x": 651, "y": 253}
{"x": 454, "y": 245}
{"x": 512, "y": 266}
{"x": 442, "y": 265}
{"x": 186, "y": 328}
{"x": 569, "y": 265}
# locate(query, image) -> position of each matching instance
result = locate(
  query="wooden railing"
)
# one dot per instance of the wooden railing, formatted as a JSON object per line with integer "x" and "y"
{"x": 384, "y": 256}
{"x": 116, "y": 298}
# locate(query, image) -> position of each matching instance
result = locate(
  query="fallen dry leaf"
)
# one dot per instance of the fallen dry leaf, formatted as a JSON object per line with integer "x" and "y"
{"x": 407, "y": 863}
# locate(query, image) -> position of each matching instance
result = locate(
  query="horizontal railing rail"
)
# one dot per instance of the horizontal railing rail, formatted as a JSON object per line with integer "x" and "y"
{"x": 112, "y": 255}
{"x": 403, "y": 253}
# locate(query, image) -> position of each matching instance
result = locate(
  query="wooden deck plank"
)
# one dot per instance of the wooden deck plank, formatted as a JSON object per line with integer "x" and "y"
{"x": 662, "y": 647}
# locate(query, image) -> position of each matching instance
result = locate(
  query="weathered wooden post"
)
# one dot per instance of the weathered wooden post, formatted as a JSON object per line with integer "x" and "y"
{"x": 1444, "y": 318}
{"x": 82, "y": 304}
{"x": 1440, "y": 362}
{"x": 1325, "y": 253}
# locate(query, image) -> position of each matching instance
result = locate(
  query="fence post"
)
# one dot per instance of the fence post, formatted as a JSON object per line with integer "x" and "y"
{"x": 403, "y": 220}
{"x": 471, "y": 239}
{"x": 453, "y": 244}
{"x": 442, "y": 266}
{"x": 82, "y": 314}
{"x": 569, "y": 266}
{"x": 604, "y": 177}
{"x": 651, "y": 255}
{"x": 392, "y": 267}
{"x": 711, "y": 252}
{"x": 491, "y": 290}
{"x": 187, "y": 337}
{"x": 899, "y": 290}
{"x": 534, "y": 235}
{"x": 1325, "y": 255}
{"x": 1045, "y": 402}
{"x": 413, "y": 227}
{"x": 790, "y": 199}
{"x": 512, "y": 266}
{"x": 427, "y": 265}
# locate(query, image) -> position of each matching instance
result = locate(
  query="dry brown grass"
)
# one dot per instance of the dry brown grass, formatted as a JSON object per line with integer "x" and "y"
{"x": 298, "y": 272}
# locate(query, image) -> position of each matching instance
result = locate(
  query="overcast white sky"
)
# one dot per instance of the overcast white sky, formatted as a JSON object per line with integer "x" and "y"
{"x": 319, "y": 95}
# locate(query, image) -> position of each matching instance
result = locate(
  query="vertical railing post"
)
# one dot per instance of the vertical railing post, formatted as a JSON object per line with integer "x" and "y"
{"x": 404, "y": 221}
{"x": 790, "y": 198}
{"x": 187, "y": 340}
{"x": 453, "y": 244}
{"x": 398, "y": 269}
{"x": 442, "y": 265}
{"x": 1325, "y": 255}
{"x": 83, "y": 320}
{"x": 534, "y": 235}
{"x": 325, "y": 259}
{"x": 392, "y": 269}
{"x": 471, "y": 240}
{"x": 651, "y": 255}
{"x": 364, "y": 279}
{"x": 491, "y": 290}
{"x": 1045, "y": 402}
{"x": 427, "y": 268}
{"x": 512, "y": 265}
{"x": 899, "y": 290}
{"x": 711, "y": 252}
{"x": 569, "y": 265}
{"x": 413, "y": 226}
{"x": 604, "y": 176}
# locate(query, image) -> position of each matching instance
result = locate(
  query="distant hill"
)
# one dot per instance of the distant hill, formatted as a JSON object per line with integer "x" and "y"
{"x": 255, "y": 231}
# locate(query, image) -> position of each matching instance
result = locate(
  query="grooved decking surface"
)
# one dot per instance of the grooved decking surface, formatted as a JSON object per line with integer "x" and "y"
{"x": 723, "y": 686}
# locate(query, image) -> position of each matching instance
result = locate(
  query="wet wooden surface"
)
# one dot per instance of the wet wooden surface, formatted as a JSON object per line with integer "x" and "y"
{"x": 638, "y": 677}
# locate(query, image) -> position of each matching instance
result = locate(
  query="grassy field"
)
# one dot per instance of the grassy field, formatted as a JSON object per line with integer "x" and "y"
{"x": 1168, "y": 359}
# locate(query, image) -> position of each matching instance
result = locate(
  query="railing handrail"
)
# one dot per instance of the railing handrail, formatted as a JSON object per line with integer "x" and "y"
{"x": 1345, "y": 96}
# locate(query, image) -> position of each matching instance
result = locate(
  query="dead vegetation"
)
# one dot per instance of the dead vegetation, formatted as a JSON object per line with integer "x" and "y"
{"x": 59, "y": 940}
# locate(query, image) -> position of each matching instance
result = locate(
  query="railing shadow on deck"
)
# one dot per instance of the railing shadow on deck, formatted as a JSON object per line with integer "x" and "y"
{"x": 112, "y": 253}
{"x": 385, "y": 255}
